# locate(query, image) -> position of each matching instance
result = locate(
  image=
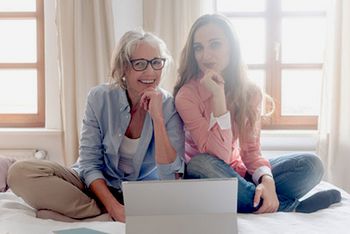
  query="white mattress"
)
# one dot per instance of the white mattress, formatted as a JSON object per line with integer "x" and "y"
{"x": 16, "y": 217}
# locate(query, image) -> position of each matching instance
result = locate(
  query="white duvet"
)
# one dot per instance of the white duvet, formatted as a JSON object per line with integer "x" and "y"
{"x": 16, "y": 217}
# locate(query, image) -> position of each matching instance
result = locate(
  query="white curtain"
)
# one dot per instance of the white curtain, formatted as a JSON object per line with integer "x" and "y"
{"x": 334, "y": 141}
{"x": 85, "y": 42}
{"x": 171, "y": 20}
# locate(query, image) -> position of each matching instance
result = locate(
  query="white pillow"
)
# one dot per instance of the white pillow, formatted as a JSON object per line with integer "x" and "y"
{"x": 5, "y": 163}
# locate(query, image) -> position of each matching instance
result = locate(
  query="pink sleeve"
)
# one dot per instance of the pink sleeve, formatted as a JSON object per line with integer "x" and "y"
{"x": 214, "y": 141}
{"x": 251, "y": 154}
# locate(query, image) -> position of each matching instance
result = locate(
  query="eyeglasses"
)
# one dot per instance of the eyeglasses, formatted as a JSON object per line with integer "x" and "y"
{"x": 142, "y": 64}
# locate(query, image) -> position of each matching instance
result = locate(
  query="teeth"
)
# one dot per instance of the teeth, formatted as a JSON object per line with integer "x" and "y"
{"x": 147, "y": 81}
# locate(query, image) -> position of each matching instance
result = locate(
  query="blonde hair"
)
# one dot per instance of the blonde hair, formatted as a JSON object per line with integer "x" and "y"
{"x": 120, "y": 61}
{"x": 241, "y": 94}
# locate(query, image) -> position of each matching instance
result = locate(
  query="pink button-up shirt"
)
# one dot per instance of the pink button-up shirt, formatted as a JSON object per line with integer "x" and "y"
{"x": 193, "y": 102}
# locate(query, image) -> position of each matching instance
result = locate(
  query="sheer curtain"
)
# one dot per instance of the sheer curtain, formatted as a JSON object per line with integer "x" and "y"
{"x": 85, "y": 43}
{"x": 334, "y": 140}
{"x": 171, "y": 20}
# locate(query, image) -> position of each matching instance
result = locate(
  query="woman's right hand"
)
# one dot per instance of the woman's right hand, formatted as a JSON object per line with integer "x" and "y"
{"x": 267, "y": 191}
{"x": 117, "y": 212}
{"x": 213, "y": 81}
{"x": 151, "y": 100}
{"x": 215, "y": 84}
{"x": 111, "y": 204}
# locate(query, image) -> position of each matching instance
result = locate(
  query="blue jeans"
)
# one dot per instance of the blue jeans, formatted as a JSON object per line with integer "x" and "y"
{"x": 294, "y": 174}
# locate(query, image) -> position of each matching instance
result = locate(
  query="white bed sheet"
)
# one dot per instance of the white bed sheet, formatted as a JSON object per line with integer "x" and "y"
{"x": 16, "y": 217}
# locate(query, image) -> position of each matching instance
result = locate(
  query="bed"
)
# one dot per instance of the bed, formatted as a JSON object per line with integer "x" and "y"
{"x": 16, "y": 217}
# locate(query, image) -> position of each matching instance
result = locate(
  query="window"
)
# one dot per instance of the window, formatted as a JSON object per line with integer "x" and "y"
{"x": 283, "y": 44}
{"x": 22, "y": 88}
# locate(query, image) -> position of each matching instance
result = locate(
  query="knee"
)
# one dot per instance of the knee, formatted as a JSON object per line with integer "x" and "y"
{"x": 208, "y": 166}
{"x": 201, "y": 162}
{"x": 315, "y": 166}
{"x": 17, "y": 173}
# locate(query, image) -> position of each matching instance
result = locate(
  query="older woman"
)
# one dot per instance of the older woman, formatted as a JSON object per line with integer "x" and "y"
{"x": 130, "y": 131}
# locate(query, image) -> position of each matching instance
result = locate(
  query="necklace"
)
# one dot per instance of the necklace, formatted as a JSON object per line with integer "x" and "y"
{"x": 133, "y": 110}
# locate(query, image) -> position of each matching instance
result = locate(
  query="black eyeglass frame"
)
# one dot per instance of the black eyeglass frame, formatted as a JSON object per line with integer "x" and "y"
{"x": 148, "y": 62}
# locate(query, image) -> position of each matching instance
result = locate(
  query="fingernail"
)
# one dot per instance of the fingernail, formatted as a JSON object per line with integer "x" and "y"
{"x": 255, "y": 204}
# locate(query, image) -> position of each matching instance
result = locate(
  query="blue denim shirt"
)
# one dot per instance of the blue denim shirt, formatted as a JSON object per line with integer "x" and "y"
{"x": 107, "y": 116}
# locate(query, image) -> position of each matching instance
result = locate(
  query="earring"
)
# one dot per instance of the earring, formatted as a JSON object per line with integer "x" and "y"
{"x": 123, "y": 82}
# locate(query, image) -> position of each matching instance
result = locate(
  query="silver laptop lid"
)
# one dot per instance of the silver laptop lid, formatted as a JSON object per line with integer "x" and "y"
{"x": 203, "y": 206}
{"x": 176, "y": 197}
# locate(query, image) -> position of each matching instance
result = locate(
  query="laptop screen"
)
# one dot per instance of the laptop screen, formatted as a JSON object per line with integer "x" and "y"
{"x": 197, "y": 206}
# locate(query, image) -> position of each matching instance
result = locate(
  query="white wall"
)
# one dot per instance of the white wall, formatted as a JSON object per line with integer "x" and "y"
{"x": 279, "y": 142}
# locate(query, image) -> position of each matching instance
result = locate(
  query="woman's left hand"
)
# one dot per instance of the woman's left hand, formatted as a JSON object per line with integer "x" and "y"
{"x": 266, "y": 190}
{"x": 151, "y": 101}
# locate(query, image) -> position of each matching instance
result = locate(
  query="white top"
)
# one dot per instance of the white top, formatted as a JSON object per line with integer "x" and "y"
{"x": 127, "y": 150}
{"x": 224, "y": 121}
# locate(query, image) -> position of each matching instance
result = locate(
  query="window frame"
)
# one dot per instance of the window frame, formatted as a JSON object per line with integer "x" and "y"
{"x": 273, "y": 67}
{"x": 38, "y": 119}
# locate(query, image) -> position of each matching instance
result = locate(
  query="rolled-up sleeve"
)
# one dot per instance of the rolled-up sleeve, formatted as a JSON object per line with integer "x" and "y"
{"x": 167, "y": 171}
{"x": 90, "y": 150}
{"x": 208, "y": 139}
{"x": 250, "y": 145}
{"x": 174, "y": 127}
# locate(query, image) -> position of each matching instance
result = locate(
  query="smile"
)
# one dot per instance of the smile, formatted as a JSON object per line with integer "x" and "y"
{"x": 147, "y": 81}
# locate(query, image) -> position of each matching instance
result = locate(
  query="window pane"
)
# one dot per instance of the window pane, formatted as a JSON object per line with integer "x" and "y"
{"x": 258, "y": 77}
{"x": 240, "y": 5}
{"x": 18, "y": 41}
{"x": 301, "y": 92}
{"x": 17, "y": 5}
{"x": 303, "y": 40}
{"x": 18, "y": 91}
{"x": 251, "y": 33}
{"x": 304, "y": 5}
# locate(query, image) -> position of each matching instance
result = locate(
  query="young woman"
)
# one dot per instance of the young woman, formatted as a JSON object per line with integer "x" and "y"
{"x": 221, "y": 111}
{"x": 130, "y": 131}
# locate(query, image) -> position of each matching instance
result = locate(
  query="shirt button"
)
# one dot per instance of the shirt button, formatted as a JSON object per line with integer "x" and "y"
{"x": 119, "y": 134}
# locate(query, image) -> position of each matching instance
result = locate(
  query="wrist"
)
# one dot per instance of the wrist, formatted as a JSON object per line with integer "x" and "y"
{"x": 158, "y": 120}
{"x": 219, "y": 105}
{"x": 266, "y": 178}
{"x": 219, "y": 94}
{"x": 113, "y": 205}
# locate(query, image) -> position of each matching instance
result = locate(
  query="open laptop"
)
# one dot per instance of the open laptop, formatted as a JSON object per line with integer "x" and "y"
{"x": 201, "y": 206}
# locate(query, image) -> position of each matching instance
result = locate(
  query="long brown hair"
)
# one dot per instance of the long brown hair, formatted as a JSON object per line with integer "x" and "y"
{"x": 241, "y": 94}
